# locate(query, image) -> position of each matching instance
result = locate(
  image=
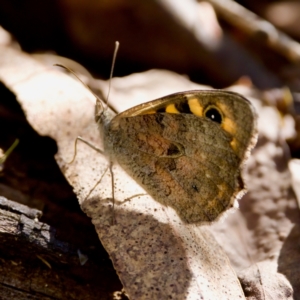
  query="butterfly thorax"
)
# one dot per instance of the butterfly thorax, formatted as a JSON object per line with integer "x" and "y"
{"x": 103, "y": 119}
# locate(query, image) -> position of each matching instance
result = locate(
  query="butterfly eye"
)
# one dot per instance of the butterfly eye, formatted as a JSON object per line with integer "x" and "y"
{"x": 213, "y": 114}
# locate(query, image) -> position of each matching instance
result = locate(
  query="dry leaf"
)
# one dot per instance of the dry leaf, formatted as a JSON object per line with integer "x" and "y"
{"x": 153, "y": 252}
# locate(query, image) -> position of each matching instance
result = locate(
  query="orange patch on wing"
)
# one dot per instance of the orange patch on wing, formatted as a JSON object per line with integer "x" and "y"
{"x": 172, "y": 109}
{"x": 195, "y": 107}
{"x": 227, "y": 124}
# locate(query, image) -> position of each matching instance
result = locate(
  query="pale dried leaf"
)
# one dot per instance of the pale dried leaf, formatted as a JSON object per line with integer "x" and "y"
{"x": 154, "y": 253}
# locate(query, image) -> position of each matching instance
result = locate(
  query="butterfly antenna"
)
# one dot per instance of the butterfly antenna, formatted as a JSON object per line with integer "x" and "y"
{"x": 73, "y": 73}
{"x": 117, "y": 44}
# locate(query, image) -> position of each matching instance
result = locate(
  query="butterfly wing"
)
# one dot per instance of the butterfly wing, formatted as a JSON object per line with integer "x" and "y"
{"x": 185, "y": 160}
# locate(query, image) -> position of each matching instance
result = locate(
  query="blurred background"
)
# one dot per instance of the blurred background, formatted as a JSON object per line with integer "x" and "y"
{"x": 213, "y": 42}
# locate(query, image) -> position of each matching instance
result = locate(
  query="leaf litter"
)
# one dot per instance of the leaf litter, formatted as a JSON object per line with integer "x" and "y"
{"x": 154, "y": 254}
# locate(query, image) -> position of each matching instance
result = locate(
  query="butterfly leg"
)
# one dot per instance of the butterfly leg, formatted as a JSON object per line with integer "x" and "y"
{"x": 96, "y": 184}
{"x": 79, "y": 138}
{"x": 112, "y": 187}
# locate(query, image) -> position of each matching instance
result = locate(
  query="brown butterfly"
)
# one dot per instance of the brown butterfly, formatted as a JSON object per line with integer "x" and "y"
{"x": 186, "y": 149}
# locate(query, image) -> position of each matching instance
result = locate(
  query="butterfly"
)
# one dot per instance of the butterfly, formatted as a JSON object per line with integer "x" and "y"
{"x": 186, "y": 149}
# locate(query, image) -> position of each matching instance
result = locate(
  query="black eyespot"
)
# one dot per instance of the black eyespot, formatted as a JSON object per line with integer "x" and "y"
{"x": 213, "y": 114}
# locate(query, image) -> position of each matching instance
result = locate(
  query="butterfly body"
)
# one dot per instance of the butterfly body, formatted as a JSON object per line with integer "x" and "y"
{"x": 185, "y": 149}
